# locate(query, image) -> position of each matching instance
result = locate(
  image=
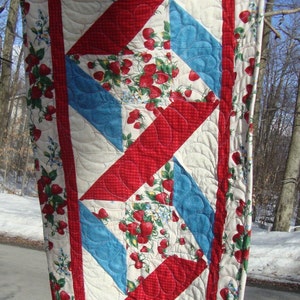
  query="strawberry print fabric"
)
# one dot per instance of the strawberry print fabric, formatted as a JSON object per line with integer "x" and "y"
{"x": 141, "y": 125}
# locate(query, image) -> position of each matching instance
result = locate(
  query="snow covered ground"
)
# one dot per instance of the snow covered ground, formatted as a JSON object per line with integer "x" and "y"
{"x": 274, "y": 256}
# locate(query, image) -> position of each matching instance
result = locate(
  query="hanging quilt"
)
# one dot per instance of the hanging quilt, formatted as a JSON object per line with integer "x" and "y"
{"x": 141, "y": 125}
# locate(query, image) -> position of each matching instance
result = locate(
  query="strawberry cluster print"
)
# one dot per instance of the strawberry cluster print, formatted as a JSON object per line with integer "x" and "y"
{"x": 41, "y": 104}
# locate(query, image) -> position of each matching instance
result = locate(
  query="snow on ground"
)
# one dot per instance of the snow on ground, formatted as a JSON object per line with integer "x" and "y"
{"x": 274, "y": 256}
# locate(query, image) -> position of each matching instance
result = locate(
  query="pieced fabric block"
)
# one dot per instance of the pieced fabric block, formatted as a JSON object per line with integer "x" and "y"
{"x": 141, "y": 124}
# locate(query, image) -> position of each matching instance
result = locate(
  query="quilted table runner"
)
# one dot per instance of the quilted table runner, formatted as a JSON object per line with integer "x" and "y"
{"x": 141, "y": 125}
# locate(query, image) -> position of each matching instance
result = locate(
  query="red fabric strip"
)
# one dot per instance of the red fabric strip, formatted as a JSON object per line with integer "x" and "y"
{"x": 169, "y": 280}
{"x": 155, "y": 146}
{"x": 116, "y": 27}
{"x": 63, "y": 126}
{"x": 224, "y": 143}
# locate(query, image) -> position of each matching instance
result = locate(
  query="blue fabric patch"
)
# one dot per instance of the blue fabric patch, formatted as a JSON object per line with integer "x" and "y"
{"x": 94, "y": 103}
{"x": 196, "y": 46}
{"x": 194, "y": 208}
{"x": 103, "y": 246}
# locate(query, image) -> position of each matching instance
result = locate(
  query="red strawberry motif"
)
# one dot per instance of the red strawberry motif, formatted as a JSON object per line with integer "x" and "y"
{"x": 127, "y": 51}
{"x": 48, "y": 93}
{"x": 175, "y": 218}
{"x": 26, "y": 7}
{"x": 211, "y": 97}
{"x": 249, "y": 70}
{"x": 130, "y": 120}
{"x": 144, "y": 249}
{"x": 155, "y": 92}
{"x": 56, "y": 189}
{"x": 135, "y": 114}
{"x": 236, "y": 157}
{"x": 60, "y": 231}
{"x": 224, "y": 293}
{"x": 90, "y": 65}
{"x": 51, "y": 109}
{"x": 139, "y": 215}
{"x": 98, "y": 75}
{"x": 44, "y": 70}
{"x": 64, "y": 295}
{"x": 127, "y": 63}
{"x": 146, "y": 57}
{"x": 236, "y": 237}
{"x": 183, "y": 226}
{"x": 48, "y": 117}
{"x": 148, "y": 33}
{"x": 168, "y": 184}
{"x": 181, "y": 241}
{"x": 245, "y": 16}
{"x": 193, "y": 76}
{"x": 102, "y": 213}
{"x": 150, "y": 69}
{"x": 161, "y": 77}
{"x": 162, "y": 198}
{"x": 137, "y": 125}
{"x": 164, "y": 243}
{"x": 240, "y": 228}
{"x": 142, "y": 239}
{"x": 62, "y": 224}
{"x": 146, "y": 81}
{"x": 146, "y": 228}
{"x": 50, "y": 245}
{"x": 115, "y": 67}
{"x": 150, "y": 44}
{"x": 48, "y": 209}
{"x": 43, "y": 198}
{"x": 151, "y": 181}
{"x": 36, "y": 93}
{"x": 162, "y": 231}
{"x": 138, "y": 264}
{"x": 167, "y": 45}
{"x": 122, "y": 226}
{"x": 124, "y": 70}
{"x": 134, "y": 256}
{"x": 238, "y": 256}
{"x": 32, "y": 60}
{"x": 150, "y": 106}
{"x": 36, "y": 133}
{"x": 199, "y": 253}
{"x": 46, "y": 180}
{"x": 106, "y": 86}
{"x": 249, "y": 88}
{"x": 176, "y": 96}
{"x": 175, "y": 72}
{"x": 32, "y": 79}
{"x": 160, "y": 249}
{"x": 246, "y": 116}
{"x": 132, "y": 228}
{"x": 188, "y": 93}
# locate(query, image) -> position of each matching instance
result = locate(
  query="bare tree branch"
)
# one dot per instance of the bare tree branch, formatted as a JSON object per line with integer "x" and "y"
{"x": 282, "y": 12}
{"x": 272, "y": 28}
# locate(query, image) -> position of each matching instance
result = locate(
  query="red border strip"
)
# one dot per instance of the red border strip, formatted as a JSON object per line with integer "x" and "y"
{"x": 63, "y": 126}
{"x": 224, "y": 143}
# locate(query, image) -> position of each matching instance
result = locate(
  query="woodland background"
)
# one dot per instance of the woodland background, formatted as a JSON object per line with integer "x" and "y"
{"x": 276, "y": 120}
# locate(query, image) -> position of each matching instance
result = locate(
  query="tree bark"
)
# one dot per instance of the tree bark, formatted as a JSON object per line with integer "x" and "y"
{"x": 5, "y": 80}
{"x": 288, "y": 195}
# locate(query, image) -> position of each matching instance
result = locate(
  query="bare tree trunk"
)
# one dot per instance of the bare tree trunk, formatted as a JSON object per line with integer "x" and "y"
{"x": 289, "y": 193}
{"x": 262, "y": 68}
{"x": 5, "y": 80}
